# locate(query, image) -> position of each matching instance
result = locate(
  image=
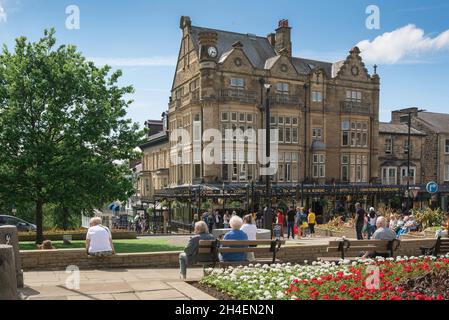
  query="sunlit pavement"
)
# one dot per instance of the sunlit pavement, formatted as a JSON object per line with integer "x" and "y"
{"x": 114, "y": 284}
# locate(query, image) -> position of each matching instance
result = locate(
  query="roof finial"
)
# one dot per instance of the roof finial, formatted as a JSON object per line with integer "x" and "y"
{"x": 375, "y": 69}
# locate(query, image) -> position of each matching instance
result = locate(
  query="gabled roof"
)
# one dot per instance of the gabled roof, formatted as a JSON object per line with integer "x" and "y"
{"x": 438, "y": 121}
{"x": 305, "y": 66}
{"x": 257, "y": 49}
{"x": 398, "y": 128}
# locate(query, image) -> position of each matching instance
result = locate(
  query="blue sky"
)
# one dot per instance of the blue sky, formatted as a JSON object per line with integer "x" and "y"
{"x": 142, "y": 38}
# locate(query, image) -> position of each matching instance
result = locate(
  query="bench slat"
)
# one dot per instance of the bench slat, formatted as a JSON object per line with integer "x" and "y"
{"x": 255, "y": 250}
{"x": 206, "y": 243}
{"x": 358, "y": 248}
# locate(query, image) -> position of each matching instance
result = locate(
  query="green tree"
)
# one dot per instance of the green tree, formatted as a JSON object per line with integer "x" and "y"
{"x": 64, "y": 138}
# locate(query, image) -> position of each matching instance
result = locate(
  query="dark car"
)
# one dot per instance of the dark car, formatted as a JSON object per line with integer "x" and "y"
{"x": 19, "y": 223}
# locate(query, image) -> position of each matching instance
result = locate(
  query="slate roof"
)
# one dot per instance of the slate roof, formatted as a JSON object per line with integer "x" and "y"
{"x": 438, "y": 121}
{"x": 398, "y": 129}
{"x": 258, "y": 49}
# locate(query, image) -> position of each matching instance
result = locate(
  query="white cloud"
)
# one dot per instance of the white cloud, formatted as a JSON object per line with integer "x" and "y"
{"x": 136, "y": 62}
{"x": 3, "y": 14}
{"x": 405, "y": 44}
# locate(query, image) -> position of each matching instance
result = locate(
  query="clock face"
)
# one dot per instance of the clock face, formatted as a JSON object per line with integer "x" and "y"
{"x": 212, "y": 51}
{"x": 355, "y": 71}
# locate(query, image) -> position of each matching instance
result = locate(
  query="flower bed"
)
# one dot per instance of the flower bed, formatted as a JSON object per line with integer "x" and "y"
{"x": 325, "y": 281}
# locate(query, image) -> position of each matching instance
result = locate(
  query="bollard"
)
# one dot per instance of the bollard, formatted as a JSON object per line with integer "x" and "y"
{"x": 8, "y": 281}
{"x": 9, "y": 236}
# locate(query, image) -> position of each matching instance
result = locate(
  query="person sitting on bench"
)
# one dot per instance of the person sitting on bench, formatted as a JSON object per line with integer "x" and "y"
{"x": 190, "y": 255}
{"x": 382, "y": 233}
{"x": 235, "y": 234}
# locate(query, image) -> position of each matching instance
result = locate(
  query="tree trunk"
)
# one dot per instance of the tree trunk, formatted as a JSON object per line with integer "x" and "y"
{"x": 39, "y": 221}
{"x": 65, "y": 218}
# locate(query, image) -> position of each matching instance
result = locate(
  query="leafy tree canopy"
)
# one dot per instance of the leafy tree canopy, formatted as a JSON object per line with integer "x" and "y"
{"x": 64, "y": 135}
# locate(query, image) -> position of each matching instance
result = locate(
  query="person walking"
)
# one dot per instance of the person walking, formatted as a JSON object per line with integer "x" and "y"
{"x": 259, "y": 216}
{"x": 359, "y": 220}
{"x": 311, "y": 221}
{"x": 226, "y": 219}
{"x": 291, "y": 223}
{"x": 280, "y": 219}
{"x": 217, "y": 220}
{"x": 372, "y": 218}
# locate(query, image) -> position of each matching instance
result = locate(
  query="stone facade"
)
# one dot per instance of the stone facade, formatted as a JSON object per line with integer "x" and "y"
{"x": 435, "y": 158}
{"x": 155, "y": 165}
{"x": 327, "y": 113}
{"x": 393, "y": 154}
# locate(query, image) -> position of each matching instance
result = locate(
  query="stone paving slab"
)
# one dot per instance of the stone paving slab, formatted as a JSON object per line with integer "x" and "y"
{"x": 114, "y": 284}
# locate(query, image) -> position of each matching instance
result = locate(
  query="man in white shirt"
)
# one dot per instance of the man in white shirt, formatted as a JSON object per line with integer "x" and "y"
{"x": 99, "y": 239}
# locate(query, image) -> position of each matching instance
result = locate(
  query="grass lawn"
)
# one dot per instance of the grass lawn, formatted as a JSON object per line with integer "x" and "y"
{"x": 121, "y": 246}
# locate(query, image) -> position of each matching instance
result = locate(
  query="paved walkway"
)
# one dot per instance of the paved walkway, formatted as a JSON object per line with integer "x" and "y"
{"x": 114, "y": 284}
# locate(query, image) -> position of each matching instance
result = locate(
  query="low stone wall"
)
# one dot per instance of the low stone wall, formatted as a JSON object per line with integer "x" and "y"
{"x": 60, "y": 259}
{"x": 345, "y": 232}
{"x": 76, "y": 235}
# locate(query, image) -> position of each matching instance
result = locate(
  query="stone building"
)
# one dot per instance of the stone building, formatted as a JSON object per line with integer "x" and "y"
{"x": 327, "y": 113}
{"x": 155, "y": 161}
{"x": 393, "y": 154}
{"x": 435, "y": 158}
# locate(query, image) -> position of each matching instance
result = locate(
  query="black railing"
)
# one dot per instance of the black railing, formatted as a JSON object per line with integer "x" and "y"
{"x": 286, "y": 99}
{"x": 238, "y": 95}
{"x": 355, "y": 107}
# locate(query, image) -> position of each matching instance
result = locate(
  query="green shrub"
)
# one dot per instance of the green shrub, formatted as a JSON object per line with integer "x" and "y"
{"x": 428, "y": 218}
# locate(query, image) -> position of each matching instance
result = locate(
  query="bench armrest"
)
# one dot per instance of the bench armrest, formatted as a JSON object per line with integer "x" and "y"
{"x": 426, "y": 251}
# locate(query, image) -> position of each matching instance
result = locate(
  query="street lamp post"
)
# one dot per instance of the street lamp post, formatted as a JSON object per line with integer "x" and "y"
{"x": 306, "y": 87}
{"x": 409, "y": 150}
{"x": 267, "y": 148}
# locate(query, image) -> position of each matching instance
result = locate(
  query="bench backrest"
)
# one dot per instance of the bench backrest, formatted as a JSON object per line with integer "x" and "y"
{"x": 442, "y": 246}
{"x": 380, "y": 246}
{"x": 214, "y": 247}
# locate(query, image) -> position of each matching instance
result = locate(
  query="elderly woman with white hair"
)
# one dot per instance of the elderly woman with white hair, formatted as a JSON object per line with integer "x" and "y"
{"x": 190, "y": 255}
{"x": 236, "y": 224}
{"x": 383, "y": 232}
{"x": 99, "y": 239}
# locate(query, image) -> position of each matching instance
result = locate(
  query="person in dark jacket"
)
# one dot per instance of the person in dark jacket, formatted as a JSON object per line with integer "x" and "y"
{"x": 190, "y": 256}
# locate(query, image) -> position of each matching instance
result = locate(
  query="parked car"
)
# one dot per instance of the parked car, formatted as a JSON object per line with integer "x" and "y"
{"x": 22, "y": 226}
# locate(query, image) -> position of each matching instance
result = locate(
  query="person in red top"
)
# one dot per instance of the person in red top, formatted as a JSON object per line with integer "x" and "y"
{"x": 281, "y": 220}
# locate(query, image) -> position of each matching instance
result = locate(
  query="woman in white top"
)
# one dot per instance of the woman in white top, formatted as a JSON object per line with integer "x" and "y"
{"x": 251, "y": 231}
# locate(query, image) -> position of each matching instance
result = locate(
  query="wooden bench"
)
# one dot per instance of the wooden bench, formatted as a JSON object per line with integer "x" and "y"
{"x": 441, "y": 247}
{"x": 215, "y": 247}
{"x": 351, "y": 249}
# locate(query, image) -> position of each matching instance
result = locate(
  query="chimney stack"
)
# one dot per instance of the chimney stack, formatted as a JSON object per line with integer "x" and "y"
{"x": 272, "y": 39}
{"x": 283, "y": 37}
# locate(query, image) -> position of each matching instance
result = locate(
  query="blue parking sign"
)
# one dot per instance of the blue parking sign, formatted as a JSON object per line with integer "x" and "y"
{"x": 432, "y": 187}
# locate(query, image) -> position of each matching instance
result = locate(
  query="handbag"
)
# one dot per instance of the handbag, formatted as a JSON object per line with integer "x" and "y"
{"x": 295, "y": 229}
